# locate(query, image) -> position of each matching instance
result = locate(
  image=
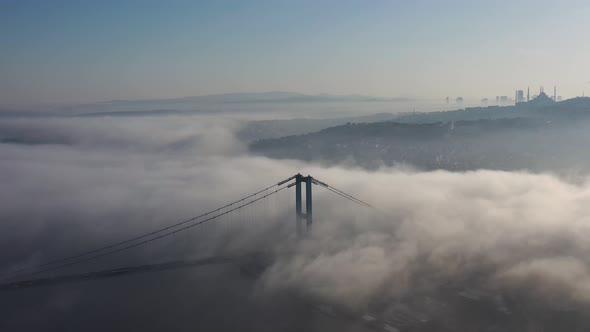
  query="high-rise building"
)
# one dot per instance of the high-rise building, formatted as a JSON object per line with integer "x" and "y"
{"x": 520, "y": 96}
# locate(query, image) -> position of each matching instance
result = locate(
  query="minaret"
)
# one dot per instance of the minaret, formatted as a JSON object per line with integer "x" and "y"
{"x": 528, "y": 94}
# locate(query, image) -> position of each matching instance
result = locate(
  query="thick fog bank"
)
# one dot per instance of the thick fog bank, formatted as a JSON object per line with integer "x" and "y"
{"x": 70, "y": 185}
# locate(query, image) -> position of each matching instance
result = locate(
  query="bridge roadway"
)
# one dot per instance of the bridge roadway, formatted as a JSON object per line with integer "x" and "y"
{"x": 61, "y": 279}
{"x": 324, "y": 316}
{"x": 297, "y": 311}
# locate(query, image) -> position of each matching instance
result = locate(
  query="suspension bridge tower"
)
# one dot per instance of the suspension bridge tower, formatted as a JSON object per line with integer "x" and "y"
{"x": 299, "y": 215}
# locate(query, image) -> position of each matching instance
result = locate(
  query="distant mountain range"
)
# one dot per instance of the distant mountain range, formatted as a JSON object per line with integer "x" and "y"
{"x": 256, "y": 97}
{"x": 211, "y": 103}
{"x": 215, "y": 103}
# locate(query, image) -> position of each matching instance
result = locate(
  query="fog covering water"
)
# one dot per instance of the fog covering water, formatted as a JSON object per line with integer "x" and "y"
{"x": 72, "y": 184}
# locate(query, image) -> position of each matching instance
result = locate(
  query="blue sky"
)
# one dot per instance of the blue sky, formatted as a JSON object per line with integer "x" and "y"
{"x": 84, "y": 51}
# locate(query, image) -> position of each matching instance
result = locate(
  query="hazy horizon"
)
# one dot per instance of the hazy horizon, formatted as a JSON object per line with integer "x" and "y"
{"x": 69, "y": 52}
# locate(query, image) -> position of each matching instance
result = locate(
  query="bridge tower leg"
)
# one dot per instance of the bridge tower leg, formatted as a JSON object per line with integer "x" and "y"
{"x": 298, "y": 203}
{"x": 308, "y": 207}
{"x": 299, "y": 215}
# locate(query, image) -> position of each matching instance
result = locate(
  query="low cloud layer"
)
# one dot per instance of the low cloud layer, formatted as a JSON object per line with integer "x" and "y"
{"x": 74, "y": 184}
{"x": 440, "y": 227}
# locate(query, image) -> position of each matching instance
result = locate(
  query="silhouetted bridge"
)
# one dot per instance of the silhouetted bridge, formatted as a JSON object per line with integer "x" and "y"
{"x": 30, "y": 276}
